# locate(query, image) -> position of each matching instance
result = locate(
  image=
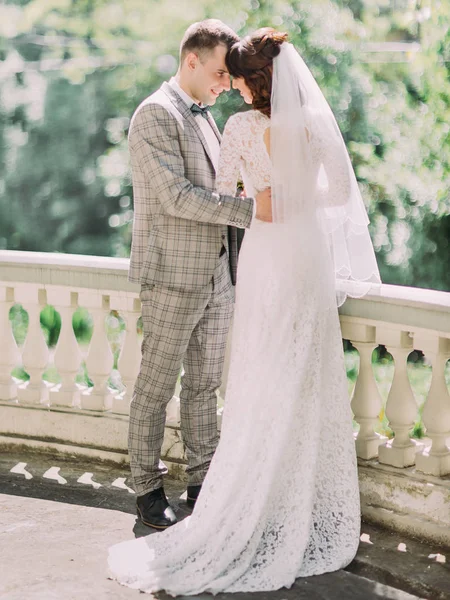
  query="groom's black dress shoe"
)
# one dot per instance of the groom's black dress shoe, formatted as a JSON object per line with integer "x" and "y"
{"x": 154, "y": 510}
{"x": 192, "y": 494}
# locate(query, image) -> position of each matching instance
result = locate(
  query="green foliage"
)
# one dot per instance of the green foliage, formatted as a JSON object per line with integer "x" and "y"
{"x": 82, "y": 326}
{"x": 51, "y": 324}
{"x": 73, "y": 73}
{"x": 19, "y": 321}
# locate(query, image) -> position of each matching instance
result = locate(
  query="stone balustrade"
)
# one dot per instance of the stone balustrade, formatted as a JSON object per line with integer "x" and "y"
{"x": 92, "y": 420}
{"x": 402, "y": 319}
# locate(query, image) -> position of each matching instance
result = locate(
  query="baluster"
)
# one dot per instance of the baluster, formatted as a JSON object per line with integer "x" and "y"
{"x": 67, "y": 353}
{"x": 366, "y": 402}
{"x": 401, "y": 406}
{"x": 130, "y": 354}
{"x": 435, "y": 460}
{"x": 10, "y": 355}
{"x": 100, "y": 358}
{"x": 35, "y": 351}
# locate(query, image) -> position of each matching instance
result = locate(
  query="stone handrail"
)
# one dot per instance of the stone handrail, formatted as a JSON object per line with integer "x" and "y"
{"x": 401, "y": 318}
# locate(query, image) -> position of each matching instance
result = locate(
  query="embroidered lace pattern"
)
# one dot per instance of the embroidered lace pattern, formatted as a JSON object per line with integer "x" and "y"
{"x": 281, "y": 497}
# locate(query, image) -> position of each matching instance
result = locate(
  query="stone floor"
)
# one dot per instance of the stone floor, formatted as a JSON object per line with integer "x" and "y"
{"x": 58, "y": 517}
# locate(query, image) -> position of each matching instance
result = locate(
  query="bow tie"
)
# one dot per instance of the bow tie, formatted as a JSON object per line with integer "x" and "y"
{"x": 198, "y": 110}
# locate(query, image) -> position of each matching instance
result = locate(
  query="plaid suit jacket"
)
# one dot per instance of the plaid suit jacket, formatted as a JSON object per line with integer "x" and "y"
{"x": 179, "y": 227}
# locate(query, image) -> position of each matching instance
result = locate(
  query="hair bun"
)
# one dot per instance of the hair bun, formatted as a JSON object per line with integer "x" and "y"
{"x": 270, "y": 42}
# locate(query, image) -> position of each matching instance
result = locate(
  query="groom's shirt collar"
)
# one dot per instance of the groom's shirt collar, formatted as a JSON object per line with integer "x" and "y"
{"x": 184, "y": 96}
{"x": 204, "y": 124}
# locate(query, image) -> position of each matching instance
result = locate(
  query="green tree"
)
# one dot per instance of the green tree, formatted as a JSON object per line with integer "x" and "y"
{"x": 73, "y": 73}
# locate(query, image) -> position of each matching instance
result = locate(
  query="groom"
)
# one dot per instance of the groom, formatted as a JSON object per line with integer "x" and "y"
{"x": 182, "y": 249}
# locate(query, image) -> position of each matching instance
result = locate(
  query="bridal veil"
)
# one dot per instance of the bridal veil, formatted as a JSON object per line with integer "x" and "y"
{"x": 314, "y": 188}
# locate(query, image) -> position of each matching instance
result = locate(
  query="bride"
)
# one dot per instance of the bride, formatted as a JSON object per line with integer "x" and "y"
{"x": 281, "y": 498}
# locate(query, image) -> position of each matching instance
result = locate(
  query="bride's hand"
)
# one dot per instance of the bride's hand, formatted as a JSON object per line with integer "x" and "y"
{"x": 264, "y": 205}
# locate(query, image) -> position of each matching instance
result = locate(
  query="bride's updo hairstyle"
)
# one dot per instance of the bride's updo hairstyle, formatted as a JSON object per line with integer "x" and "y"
{"x": 252, "y": 58}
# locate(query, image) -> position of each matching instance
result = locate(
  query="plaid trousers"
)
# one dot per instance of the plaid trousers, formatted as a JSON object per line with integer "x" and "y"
{"x": 189, "y": 328}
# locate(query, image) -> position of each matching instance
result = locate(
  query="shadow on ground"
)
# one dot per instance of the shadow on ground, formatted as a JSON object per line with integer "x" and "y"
{"x": 68, "y": 502}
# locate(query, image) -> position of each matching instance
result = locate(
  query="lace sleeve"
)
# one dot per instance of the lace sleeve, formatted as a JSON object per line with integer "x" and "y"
{"x": 230, "y": 157}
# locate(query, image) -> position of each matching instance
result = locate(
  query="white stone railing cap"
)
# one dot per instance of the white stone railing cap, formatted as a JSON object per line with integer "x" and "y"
{"x": 405, "y": 307}
{"x": 73, "y": 270}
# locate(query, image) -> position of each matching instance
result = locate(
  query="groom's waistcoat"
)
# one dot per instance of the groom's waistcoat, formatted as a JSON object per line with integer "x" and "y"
{"x": 176, "y": 241}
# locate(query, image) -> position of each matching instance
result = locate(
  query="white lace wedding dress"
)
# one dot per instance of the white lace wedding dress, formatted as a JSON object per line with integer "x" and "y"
{"x": 281, "y": 499}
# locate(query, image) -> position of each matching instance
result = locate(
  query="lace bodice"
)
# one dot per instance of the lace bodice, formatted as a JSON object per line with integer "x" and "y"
{"x": 243, "y": 152}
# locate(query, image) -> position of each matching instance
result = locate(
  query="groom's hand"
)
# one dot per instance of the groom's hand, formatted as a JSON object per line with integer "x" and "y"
{"x": 264, "y": 205}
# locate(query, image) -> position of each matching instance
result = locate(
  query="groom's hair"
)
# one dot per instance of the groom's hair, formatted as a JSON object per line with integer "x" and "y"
{"x": 204, "y": 36}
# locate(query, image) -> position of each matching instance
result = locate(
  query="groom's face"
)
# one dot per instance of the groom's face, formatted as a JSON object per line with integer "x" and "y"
{"x": 209, "y": 75}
